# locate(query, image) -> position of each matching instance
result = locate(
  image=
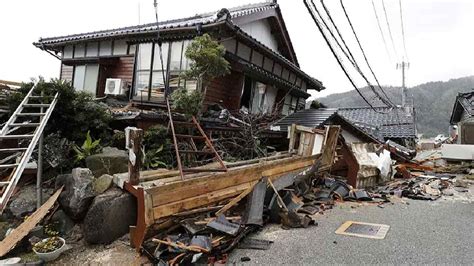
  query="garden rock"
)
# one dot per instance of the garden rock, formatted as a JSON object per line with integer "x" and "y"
{"x": 102, "y": 183}
{"x": 62, "y": 222}
{"x": 109, "y": 161}
{"x": 109, "y": 217}
{"x": 25, "y": 201}
{"x": 77, "y": 194}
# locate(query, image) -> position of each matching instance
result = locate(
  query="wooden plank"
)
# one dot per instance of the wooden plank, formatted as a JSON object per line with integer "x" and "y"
{"x": 23, "y": 229}
{"x": 190, "y": 188}
{"x": 217, "y": 176}
{"x": 198, "y": 201}
{"x": 235, "y": 200}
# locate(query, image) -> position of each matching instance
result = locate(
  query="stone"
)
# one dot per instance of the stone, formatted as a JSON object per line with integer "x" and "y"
{"x": 62, "y": 222}
{"x": 102, "y": 183}
{"x": 109, "y": 161}
{"x": 24, "y": 202}
{"x": 77, "y": 194}
{"x": 109, "y": 217}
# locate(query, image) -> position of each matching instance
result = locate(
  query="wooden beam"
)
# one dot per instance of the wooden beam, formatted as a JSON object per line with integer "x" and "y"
{"x": 194, "y": 187}
{"x": 235, "y": 200}
{"x": 23, "y": 229}
{"x": 198, "y": 201}
{"x": 134, "y": 143}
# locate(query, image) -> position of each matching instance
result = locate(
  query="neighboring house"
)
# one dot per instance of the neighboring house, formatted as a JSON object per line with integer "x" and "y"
{"x": 463, "y": 117}
{"x": 359, "y": 124}
{"x": 265, "y": 74}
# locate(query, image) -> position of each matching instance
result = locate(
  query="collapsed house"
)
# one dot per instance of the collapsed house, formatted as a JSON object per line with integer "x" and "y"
{"x": 265, "y": 75}
{"x": 359, "y": 124}
{"x": 462, "y": 116}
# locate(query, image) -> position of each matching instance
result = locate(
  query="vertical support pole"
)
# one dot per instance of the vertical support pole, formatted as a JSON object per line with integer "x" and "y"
{"x": 39, "y": 165}
{"x": 39, "y": 174}
{"x": 134, "y": 138}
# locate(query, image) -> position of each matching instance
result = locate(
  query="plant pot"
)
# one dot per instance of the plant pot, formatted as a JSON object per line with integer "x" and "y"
{"x": 52, "y": 255}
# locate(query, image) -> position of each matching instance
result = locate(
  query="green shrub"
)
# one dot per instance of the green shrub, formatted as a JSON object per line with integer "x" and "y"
{"x": 74, "y": 114}
{"x": 189, "y": 103}
{"x": 88, "y": 148}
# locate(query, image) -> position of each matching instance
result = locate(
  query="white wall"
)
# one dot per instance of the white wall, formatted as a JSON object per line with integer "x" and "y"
{"x": 349, "y": 137}
{"x": 261, "y": 31}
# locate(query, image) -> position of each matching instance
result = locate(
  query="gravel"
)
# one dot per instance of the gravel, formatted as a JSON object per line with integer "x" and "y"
{"x": 421, "y": 232}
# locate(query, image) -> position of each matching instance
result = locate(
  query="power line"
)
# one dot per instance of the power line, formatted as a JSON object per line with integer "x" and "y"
{"x": 353, "y": 61}
{"x": 320, "y": 28}
{"x": 381, "y": 32}
{"x": 403, "y": 30}
{"x": 389, "y": 30}
{"x": 363, "y": 52}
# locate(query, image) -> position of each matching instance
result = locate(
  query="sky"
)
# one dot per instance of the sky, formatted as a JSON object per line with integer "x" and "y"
{"x": 438, "y": 34}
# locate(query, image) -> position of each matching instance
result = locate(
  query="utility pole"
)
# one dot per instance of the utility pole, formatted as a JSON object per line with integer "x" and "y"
{"x": 403, "y": 65}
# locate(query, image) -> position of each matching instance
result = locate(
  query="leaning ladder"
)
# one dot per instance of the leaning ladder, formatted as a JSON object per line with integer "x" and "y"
{"x": 33, "y": 121}
{"x": 202, "y": 136}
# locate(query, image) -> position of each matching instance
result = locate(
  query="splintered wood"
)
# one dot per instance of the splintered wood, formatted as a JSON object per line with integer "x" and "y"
{"x": 170, "y": 196}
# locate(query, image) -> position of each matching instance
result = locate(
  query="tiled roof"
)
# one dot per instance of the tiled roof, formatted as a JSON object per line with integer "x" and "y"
{"x": 464, "y": 104}
{"x": 204, "y": 19}
{"x": 389, "y": 122}
{"x": 386, "y": 123}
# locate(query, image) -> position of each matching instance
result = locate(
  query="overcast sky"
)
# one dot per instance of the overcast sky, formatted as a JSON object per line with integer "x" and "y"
{"x": 439, "y": 34}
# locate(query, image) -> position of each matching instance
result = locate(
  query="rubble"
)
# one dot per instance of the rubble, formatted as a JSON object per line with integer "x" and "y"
{"x": 24, "y": 202}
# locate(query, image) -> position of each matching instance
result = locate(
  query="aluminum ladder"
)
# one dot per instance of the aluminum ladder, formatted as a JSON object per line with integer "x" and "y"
{"x": 31, "y": 116}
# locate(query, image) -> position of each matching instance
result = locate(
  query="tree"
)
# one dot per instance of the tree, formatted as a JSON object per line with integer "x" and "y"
{"x": 207, "y": 63}
{"x": 315, "y": 104}
{"x": 207, "y": 60}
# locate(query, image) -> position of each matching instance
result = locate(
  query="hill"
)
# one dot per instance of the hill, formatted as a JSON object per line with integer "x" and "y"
{"x": 433, "y": 102}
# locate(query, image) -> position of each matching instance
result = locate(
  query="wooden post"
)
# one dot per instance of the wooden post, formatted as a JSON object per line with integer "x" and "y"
{"x": 133, "y": 142}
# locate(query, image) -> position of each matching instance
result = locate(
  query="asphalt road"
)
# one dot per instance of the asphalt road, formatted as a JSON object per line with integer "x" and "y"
{"x": 421, "y": 232}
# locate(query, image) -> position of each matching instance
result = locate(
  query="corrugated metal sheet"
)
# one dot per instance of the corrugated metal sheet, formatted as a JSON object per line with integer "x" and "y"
{"x": 309, "y": 118}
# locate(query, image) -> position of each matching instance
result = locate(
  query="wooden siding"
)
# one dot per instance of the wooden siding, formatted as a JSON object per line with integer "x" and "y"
{"x": 120, "y": 69}
{"x": 227, "y": 89}
{"x": 66, "y": 72}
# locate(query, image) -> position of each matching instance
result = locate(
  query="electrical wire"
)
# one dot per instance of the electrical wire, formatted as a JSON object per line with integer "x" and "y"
{"x": 350, "y": 56}
{"x": 403, "y": 29}
{"x": 389, "y": 29}
{"x": 363, "y": 52}
{"x": 381, "y": 32}
{"x": 338, "y": 59}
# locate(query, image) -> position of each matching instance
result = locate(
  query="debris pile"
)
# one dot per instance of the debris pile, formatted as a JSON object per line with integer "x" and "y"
{"x": 208, "y": 234}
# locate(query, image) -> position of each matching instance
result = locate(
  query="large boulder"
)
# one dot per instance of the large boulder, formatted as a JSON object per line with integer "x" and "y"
{"x": 24, "y": 202}
{"x": 109, "y": 161}
{"x": 102, "y": 183}
{"x": 78, "y": 192}
{"x": 109, "y": 216}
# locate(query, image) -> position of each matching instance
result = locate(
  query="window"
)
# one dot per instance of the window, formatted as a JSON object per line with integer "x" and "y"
{"x": 173, "y": 56}
{"x": 257, "y": 97}
{"x": 85, "y": 78}
{"x": 291, "y": 105}
{"x": 142, "y": 77}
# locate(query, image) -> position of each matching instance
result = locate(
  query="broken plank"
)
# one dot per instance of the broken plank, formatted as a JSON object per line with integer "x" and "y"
{"x": 23, "y": 229}
{"x": 189, "y": 188}
{"x": 235, "y": 200}
{"x": 198, "y": 201}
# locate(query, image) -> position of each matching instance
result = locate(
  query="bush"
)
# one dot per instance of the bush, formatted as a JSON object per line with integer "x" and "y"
{"x": 75, "y": 112}
{"x": 189, "y": 103}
